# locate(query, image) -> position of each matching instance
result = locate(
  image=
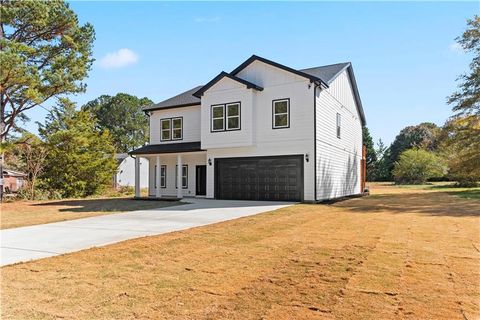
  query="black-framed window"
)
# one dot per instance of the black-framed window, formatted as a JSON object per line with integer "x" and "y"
{"x": 171, "y": 129}
{"x": 218, "y": 117}
{"x": 225, "y": 117}
{"x": 233, "y": 116}
{"x": 163, "y": 176}
{"x": 184, "y": 176}
{"x": 339, "y": 125}
{"x": 177, "y": 128}
{"x": 281, "y": 113}
{"x": 165, "y": 129}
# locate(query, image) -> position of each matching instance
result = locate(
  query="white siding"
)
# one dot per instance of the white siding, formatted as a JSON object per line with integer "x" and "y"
{"x": 170, "y": 160}
{"x": 191, "y": 124}
{"x": 298, "y": 139}
{"x": 338, "y": 160}
{"x": 126, "y": 173}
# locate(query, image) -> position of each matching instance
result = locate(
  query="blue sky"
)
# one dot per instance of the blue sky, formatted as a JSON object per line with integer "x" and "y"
{"x": 403, "y": 53}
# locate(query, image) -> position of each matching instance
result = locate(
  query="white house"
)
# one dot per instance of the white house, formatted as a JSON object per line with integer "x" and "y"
{"x": 264, "y": 131}
{"x": 125, "y": 176}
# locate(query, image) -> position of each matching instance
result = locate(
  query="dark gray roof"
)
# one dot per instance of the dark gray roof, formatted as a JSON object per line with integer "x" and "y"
{"x": 184, "y": 99}
{"x": 323, "y": 74}
{"x": 168, "y": 148}
{"x": 327, "y": 73}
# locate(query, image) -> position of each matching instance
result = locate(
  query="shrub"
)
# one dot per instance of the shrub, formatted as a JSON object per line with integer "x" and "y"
{"x": 416, "y": 166}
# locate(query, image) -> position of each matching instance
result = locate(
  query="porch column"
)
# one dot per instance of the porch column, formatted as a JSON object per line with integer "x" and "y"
{"x": 137, "y": 176}
{"x": 157, "y": 183}
{"x": 179, "y": 177}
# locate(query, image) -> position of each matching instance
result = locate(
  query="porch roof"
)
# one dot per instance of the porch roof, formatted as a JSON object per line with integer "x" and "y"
{"x": 168, "y": 148}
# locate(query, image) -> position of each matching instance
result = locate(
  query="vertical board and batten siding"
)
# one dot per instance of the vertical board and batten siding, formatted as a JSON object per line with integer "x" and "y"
{"x": 191, "y": 124}
{"x": 338, "y": 160}
{"x": 125, "y": 176}
{"x": 170, "y": 160}
{"x": 265, "y": 141}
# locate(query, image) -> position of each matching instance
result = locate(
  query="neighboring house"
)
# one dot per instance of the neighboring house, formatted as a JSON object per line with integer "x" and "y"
{"x": 13, "y": 180}
{"x": 261, "y": 132}
{"x": 125, "y": 176}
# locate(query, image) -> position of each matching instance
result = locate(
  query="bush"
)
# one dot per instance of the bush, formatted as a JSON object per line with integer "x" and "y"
{"x": 416, "y": 166}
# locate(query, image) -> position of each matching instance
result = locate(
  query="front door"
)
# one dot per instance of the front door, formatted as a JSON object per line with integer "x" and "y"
{"x": 201, "y": 181}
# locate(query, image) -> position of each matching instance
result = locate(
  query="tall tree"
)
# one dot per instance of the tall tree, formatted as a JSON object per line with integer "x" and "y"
{"x": 81, "y": 158}
{"x": 122, "y": 115}
{"x": 44, "y": 53}
{"x": 371, "y": 154}
{"x": 461, "y": 142}
{"x": 466, "y": 101}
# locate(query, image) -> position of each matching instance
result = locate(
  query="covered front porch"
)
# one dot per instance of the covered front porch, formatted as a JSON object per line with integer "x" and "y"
{"x": 165, "y": 180}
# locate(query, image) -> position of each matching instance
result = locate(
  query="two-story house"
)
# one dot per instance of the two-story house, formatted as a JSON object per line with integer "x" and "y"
{"x": 261, "y": 132}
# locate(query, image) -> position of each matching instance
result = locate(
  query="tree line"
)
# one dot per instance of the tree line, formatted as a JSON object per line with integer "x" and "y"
{"x": 426, "y": 151}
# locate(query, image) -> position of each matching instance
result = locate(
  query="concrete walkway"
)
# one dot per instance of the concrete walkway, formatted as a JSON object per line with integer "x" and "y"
{"x": 51, "y": 239}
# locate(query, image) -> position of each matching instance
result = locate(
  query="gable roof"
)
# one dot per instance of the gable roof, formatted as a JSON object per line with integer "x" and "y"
{"x": 222, "y": 75}
{"x": 327, "y": 73}
{"x": 320, "y": 75}
{"x": 184, "y": 99}
{"x": 300, "y": 73}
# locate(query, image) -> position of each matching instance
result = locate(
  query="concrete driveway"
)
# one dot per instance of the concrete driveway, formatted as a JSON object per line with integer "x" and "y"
{"x": 51, "y": 239}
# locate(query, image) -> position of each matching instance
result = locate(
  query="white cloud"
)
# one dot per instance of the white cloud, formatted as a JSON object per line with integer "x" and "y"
{"x": 212, "y": 19}
{"x": 456, "y": 47}
{"x": 118, "y": 59}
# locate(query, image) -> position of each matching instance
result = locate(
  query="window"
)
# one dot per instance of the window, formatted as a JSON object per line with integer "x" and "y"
{"x": 184, "y": 176}
{"x": 233, "y": 116}
{"x": 166, "y": 126}
{"x": 218, "y": 117}
{"x": 281, "y": 113}
{"x": 163, "y": 176}
{"x": 339, "y": 123}
{"x": 171, "y": 129}
{"x": 177, "y": 128}
{"x": 226, "y": 117}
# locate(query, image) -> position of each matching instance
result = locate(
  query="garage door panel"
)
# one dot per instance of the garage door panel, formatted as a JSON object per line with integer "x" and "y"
{"x": 260, "y": 178}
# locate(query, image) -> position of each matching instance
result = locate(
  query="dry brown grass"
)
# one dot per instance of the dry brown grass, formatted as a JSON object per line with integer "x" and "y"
{"x": 399, "y": 254}
{"x": 27, "y": 213}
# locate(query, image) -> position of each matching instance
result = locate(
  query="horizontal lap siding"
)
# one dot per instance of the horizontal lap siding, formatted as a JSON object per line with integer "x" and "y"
{"x": 338, "y": 160}
{"x": 191, "y": 124}
{"x": 296, "y": 140}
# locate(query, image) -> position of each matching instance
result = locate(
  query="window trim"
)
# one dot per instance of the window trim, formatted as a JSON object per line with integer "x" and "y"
{"x": 169, "y": 129}
{"x": 274, "y": 114}
{"x": 170, "y": 120}
{"x": 186, "y": 176}
{"x": 164, "y": 167}
{"x": 181, "y": 128}
{"x": 339, "y": 125}
{"x": 239, "y": 115}
{"x": 225, "y": 117}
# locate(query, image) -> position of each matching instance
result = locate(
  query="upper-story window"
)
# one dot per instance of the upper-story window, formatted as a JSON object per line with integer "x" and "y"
{"x": 171, "y": 129}
{"x": 225, "y": 117}
{"x": 339, "y": 125}
{"x": 281, "y": 113}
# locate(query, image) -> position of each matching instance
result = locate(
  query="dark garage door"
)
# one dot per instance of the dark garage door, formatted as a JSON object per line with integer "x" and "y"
{"x": 260, "y": 178}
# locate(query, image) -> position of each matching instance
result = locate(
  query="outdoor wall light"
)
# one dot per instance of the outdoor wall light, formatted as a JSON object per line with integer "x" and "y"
{"x": 307, "y": 157}
{"x": 209, "y": 161}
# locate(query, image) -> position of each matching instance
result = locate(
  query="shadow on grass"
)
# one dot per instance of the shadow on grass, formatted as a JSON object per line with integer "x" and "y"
{"x": 107, "y": 205}
{"x": 434, "y": 204}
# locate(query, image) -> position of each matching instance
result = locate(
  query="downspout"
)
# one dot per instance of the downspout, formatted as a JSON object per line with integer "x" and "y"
{"x": 315, "y": 85}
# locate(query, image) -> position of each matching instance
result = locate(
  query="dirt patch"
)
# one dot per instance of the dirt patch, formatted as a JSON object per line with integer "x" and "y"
{"x": 398, "y": 254}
